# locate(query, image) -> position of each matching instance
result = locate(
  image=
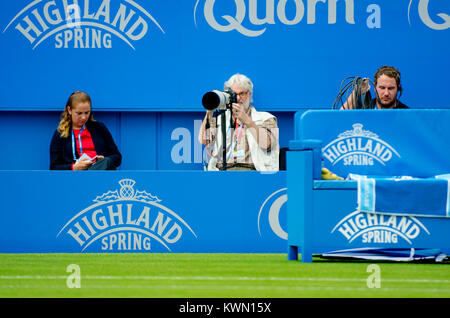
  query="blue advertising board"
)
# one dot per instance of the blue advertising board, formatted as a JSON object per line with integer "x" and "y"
{"x": 164, "y": 55}
{"x": 142, "y": 211}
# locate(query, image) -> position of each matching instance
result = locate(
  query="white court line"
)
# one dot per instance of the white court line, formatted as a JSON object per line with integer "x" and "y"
{"x": 246, "y": 287}
{"x": 222, "y": 278}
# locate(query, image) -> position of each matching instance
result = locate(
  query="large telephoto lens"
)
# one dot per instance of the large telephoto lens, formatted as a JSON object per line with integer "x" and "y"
{"x": 211, "y": 100}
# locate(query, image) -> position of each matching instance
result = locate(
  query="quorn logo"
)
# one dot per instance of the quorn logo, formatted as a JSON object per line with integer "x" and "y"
{"x": 82, "y": 23}
{"x": 126, "y": 220}
{"x": 423, "y": 8}
{"x": 271, "y": 209}
{"x": 275, "y": 12}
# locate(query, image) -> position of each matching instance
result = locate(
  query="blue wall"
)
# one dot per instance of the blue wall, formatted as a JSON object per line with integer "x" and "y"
{"x": 146, "y": 81}
{"x": 146, "y": 77}
{"x": 296, "y": 55}
{"x": 145, "y": 139}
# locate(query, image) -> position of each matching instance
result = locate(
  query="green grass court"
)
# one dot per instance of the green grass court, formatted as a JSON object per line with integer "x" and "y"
{"x": 213, "y": 276}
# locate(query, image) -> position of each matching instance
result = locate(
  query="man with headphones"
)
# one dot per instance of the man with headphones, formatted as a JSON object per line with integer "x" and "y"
{"x": 387, "y": 88}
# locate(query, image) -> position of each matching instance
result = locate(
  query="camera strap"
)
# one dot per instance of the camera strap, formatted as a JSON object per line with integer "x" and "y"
{"x": 237, "y": 134}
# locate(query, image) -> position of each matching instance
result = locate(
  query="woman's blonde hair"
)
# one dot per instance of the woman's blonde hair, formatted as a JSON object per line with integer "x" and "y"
{"x": 66, "y": 119}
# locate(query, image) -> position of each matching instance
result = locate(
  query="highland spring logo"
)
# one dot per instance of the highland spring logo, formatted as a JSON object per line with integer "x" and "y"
{"x": 374, "y": 228}
{"x": 82, "y": 23}
{"x": 358, "y": 147}
{"x": 126, "y": 220}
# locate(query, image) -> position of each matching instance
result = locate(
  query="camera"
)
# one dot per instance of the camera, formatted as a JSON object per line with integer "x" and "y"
{"x": 219, "y": 99}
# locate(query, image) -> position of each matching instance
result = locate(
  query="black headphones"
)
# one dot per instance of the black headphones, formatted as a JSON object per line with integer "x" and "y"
{"x": 391, "y": 72}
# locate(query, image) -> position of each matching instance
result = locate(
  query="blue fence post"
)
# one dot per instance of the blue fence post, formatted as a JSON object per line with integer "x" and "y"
{"x": 299, "y": 184}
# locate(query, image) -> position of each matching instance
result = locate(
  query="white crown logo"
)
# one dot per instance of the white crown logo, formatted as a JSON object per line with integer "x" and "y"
{"x": 126, "y": 192}
{"x": 358, "y": 132}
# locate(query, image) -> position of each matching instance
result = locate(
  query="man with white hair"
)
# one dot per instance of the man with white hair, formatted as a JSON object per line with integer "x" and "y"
{"x": 252, "y": 144}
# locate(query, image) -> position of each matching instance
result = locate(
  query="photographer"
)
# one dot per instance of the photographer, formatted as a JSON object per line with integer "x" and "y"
{"x": 251, "y": 136}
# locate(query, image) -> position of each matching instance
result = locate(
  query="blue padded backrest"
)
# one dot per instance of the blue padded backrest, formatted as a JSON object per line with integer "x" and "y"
{"x": 380, "y": 142}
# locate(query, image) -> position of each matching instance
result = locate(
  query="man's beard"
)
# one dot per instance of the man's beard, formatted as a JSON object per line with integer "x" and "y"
{"x": 245, "y": 105}
{"x": 393, "y": 103}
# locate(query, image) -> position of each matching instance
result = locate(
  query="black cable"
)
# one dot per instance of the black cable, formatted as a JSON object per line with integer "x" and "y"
{"x": 351, "y": 90}
{"x": 345, "y": 85}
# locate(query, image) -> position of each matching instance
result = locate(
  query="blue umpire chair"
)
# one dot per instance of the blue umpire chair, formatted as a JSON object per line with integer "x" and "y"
{"x": 395, "y": 196}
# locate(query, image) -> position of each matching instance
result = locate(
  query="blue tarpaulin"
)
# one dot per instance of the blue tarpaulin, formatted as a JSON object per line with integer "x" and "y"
{"x": 389, "y": 254}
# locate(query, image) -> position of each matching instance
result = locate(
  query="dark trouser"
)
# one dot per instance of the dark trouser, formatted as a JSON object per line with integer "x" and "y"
{"x": 237, "y": 167}
{"x": 240, "y": 169}
{"x": 103, "y": 164}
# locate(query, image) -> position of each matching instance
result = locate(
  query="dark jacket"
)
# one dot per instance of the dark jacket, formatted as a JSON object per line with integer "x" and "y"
{"x": 61, "y": 155}
{"x": 399, "y": 104}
